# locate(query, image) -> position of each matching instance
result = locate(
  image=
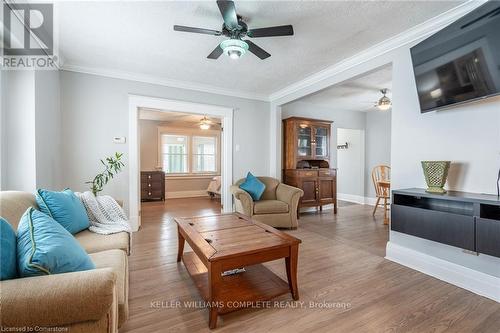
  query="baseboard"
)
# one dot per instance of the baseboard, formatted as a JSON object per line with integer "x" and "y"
{"x": 351, "y": 198}
{"x": 186, "y": 194}
{"x": 463, "y": 277}
{"x": 370, "y": 201}
{"x": 357, "y": 199}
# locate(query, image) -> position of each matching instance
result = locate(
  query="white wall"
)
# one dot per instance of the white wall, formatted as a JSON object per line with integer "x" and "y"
{"x": 30, "y": 130}
{"x": 378, "y": 145}
{"x": 148, "y": 130}
{"x": 3, "y": 146}
{"x": 18, "y": 122}
{"x": 351, "y": 164}
{"x": 95, "y": 109}
{"x": 468, "y": 135}
{"x": 47, "y": 130}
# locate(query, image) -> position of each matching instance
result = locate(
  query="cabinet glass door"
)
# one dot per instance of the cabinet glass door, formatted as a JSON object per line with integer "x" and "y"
{"x": 321, "y": 140}
{"x": 304, "y": 141}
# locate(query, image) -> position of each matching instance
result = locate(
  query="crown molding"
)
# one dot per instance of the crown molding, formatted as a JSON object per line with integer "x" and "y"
{"x": 151, "y": 79}
{"x": 408, "y": 36}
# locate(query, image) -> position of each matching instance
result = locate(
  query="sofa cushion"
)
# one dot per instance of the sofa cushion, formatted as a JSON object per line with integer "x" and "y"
{"x": 45, "y": 247}
{"x": 13, "y": 205}
{"x": 117, "y": 260}
{"x": 65, "y": 208}
{"x": 93, "y": 242}
{"x": 253, "y": 186}
{"x": 270, "y": 207}
{"x": 8, "y": 243}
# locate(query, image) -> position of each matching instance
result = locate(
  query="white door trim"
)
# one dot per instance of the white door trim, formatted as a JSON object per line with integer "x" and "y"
{"x": 134, "y": 103}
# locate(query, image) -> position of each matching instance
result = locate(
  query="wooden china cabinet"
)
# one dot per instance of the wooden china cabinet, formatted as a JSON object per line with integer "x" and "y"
{"x": 306, "y": 161}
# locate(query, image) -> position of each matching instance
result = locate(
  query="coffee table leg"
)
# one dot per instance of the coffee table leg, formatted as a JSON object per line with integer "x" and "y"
{"x": 214, "y": 281}
{"x": 180, "y": 250}
{"x": 291, "y": 271}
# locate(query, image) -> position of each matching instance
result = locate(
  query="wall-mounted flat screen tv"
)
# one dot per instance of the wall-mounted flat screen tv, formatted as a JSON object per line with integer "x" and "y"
{"x": 460, "y": 63}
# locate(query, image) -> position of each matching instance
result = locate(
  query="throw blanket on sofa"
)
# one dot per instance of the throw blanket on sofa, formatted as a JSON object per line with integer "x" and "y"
{"x": 105, "y": 214}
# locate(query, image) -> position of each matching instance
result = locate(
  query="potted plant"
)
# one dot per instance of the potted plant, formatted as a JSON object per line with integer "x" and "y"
{"x": 112, "y": 166}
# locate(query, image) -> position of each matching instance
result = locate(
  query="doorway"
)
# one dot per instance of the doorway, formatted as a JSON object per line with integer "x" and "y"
{"x": 223, "y": 114}
{"x": 180, "y": 161}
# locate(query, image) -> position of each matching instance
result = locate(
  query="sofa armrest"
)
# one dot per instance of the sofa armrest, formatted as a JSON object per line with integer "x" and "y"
{"x": 59, "y": 299}
{"x": 288, "y": 194}
{"x": 243, "y": 200}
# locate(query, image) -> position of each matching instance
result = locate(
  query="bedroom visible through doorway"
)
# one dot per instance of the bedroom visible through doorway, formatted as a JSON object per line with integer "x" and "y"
{"x": 180, "y": 158}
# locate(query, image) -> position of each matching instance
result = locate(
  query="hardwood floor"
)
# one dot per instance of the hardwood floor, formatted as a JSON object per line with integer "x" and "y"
{"x": 341, "y": 265}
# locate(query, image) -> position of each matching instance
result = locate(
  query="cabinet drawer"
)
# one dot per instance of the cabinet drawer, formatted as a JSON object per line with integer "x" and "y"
{"x": 488, "y": 236}
{"x": 151, "y": 176}
{"x": 326, "y": 173}
{"x": 443, "y": 227}
{"x": 151, "y": 194}
{"x": 151, "y": 186}
{"x": 307, "y": 173}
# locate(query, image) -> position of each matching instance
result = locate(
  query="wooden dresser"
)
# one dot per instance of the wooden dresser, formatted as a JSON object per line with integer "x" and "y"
{"x": 152, "y": 185}
{"x": 306, "y": 161}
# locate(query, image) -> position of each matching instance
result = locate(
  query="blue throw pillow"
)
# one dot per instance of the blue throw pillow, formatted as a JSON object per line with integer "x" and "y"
{"x": 45, "y": 247}
{"x": 253, "y": 186}
{"x": 65, "y": 208}
{"x": 8, "y": 270}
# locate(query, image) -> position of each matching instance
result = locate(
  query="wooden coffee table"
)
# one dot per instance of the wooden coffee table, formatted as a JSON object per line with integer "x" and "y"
{"x": 229, "y": 241}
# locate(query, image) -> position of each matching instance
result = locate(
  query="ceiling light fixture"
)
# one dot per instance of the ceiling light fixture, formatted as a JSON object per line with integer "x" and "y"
{"x": 205, "y": 123}
{"x": 234, "y": 48}
{"x": 384, "y": 103}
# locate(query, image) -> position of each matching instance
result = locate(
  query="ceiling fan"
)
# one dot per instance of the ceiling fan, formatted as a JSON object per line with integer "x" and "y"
{"x": 236, "y": 29}
{"x": 384, "y": 103}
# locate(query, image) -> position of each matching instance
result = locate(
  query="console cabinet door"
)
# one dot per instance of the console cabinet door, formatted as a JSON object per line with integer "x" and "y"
{"x": 309, "y": 186}
{"x": 326, "y": 190}
{"x": 447, "y": 228}
{"x": 488, "y": 236}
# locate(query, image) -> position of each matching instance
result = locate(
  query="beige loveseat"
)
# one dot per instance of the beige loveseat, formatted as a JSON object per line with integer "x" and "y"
{"x": 277, "y": 207}
{"x": 88, "y": 301}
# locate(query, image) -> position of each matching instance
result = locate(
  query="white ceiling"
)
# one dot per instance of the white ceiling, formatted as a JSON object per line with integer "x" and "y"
{"x": 138, "y": 38}
{"x": 357, "y": 94}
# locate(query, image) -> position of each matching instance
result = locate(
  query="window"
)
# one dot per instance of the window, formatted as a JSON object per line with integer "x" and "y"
{"x": 189, "y": 154}
{"x": 204, "y": 154}
{"x": 174, "y": 153}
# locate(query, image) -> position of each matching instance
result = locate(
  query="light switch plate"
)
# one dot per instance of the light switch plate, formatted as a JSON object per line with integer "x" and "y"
{"x": 119, "y": 139}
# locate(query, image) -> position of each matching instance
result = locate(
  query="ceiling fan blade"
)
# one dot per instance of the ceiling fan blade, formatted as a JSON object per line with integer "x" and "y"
{"x": 282, "y": 30}
{"x": 197, "y": 30}
{"x": 228, "y": 13}
{"x": 259, "y": 52}
{"x": 216, "y": 53}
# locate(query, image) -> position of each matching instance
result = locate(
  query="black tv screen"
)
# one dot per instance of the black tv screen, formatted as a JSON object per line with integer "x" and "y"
{"x": 460, "y": 63}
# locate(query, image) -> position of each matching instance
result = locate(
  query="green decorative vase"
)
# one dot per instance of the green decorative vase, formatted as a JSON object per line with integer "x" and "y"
{"x": 435, "y": 173}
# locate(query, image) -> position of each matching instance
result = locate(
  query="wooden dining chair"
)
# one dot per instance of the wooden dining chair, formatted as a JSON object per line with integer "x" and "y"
{"x": 381, "y": 176}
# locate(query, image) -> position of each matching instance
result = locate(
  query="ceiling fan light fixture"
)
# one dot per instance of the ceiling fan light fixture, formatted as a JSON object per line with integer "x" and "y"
{"x": 234, "y": 48}
{"x": 205, "y": 123}
{"x": 384, "y": 103}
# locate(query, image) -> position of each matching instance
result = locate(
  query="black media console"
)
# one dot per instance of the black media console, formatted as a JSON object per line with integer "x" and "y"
{"x": 466, "y": 220}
